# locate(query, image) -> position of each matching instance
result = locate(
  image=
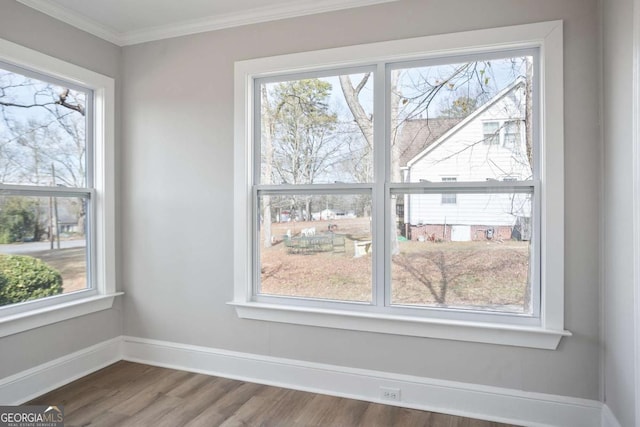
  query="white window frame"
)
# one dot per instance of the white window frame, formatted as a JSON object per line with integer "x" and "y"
{"x": 449, "y": 198}
{"x": 101, "y": 292}
{"x": 489, "y": 138}
{"x": 547, "y": 37}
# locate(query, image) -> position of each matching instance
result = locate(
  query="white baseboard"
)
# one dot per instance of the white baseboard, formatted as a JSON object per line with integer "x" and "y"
{"x": 449, "y": 397}
{"x": 608, "y": 419}
{"x": 26, "y": 385}
{"x": 469, "y": 400}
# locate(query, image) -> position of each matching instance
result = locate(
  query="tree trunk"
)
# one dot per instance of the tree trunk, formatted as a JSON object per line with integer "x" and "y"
{"x": 396, "y": 175}
{"x": 267, "y": 121}
{"x": 529, "y": 145}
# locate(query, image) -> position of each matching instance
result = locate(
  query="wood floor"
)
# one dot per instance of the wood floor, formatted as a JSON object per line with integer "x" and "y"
{"x": 131, "y": 394}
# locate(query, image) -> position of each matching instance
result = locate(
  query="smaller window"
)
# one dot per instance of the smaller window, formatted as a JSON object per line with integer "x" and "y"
{"x": 56, "y": 189}
{"x": 449, "y": 198}
{"x": 512, "y": 134}
{"x": 491, "y": 133}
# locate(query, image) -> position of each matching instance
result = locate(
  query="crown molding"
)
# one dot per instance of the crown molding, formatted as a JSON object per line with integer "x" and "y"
{"x": 211, "y": 23}
{"x": 75, "y": 19}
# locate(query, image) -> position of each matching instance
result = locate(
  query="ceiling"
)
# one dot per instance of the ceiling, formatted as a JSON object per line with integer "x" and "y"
{"x": 126, "y": 22}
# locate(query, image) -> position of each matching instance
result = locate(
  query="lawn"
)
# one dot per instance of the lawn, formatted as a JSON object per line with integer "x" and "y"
{"x": 484, "y": 274}
{"x": 71, "y": 263}
{"x": 481, "y": 274}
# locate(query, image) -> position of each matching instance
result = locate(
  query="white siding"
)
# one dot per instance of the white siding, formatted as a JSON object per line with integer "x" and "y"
{"x": 465, "y": 155}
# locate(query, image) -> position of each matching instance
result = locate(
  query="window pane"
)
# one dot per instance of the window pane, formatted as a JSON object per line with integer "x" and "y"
{"x": 323, "y": 255}
{"x": 472, "y": 255}
{"x": 42, "y": 132}
{"x": 449, "y": 198}
{"x": 43, "y": 250}
{"x": 491, "y": 132}
{"x": 458, "y": 120}
{"x": 512, "y": 134}
{"x": 317, "y": 131}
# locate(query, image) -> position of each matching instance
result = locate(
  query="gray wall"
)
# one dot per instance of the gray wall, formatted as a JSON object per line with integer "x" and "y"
{"x": 618, "y": 197}
{"x": 177, "y": 196}
{"x": 22, "y": 25}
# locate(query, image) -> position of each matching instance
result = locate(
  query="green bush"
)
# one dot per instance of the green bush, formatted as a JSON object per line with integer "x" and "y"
{"x": 24, "y": 278}
{"x": 17, "y": 219}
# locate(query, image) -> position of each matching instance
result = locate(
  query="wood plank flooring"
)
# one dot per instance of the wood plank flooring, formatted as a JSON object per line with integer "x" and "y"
{"x": 132, "y": 394}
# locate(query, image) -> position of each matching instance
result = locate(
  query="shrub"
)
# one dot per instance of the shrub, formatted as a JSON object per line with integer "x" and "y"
{"x": 24, "y": 278}
{"x": 17, "y": 219}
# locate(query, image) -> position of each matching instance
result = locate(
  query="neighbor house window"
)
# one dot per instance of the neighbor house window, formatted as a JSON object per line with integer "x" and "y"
{"x": 55, "y": 186}
{"x": 348, "y": 171}
{"x": 512, "y": 136}
{"x": 449, "y": 199}
{"x": 491, "y": 133}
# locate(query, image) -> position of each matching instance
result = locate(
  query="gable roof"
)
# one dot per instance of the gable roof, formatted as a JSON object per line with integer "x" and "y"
{"x": 418, "y": 134}
{"x": 484, "y": 107}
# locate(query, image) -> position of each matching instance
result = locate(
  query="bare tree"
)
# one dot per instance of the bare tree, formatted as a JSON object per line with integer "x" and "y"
{"x": 42, "y": 128}
{"x": 267, "y": 151}
{"x": 299, "y": 141}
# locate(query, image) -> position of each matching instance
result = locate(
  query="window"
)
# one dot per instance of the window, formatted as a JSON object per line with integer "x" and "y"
{"x": 449, "y": 198}
{"x": 491, "y": 133}
{"x": 512, "y": 136}
{"x": 56, "y": 190}
{"x": 349, "y": 170}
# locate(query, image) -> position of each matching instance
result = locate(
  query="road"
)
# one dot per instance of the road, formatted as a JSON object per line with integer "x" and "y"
{"x": 24, "y": 248}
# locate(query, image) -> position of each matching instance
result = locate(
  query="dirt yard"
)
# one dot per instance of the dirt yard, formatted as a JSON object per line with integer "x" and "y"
{"x": 484, "y": 274}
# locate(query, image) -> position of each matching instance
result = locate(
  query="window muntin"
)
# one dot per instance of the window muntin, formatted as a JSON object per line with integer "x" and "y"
{"x": 46, "y": 200}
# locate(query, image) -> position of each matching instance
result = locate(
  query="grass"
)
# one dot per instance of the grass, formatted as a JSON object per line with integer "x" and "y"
{"x": 479, "y": 274}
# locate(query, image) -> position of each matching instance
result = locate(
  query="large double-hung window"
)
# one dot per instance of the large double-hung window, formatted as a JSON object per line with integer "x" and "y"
{"x": 56, "y": 190}
{"x": 368, "y": 198}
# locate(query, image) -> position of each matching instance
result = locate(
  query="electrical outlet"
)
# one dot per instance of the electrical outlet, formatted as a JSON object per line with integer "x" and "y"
{"x": 389, "y": 393}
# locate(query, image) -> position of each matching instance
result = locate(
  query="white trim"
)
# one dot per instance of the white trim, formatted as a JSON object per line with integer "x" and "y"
{"x": 31, "y": 383}
{"x": 545, "y": 35}
{"x": 75, "y": 19}
{"x": 492, "y": 333}
{"x": 636, "y": 198}
{"x": 608, "y": 419}
{"x": 103, "y": 238}
{"x": 449, "y": 397}
{"x": 32, "y": 319}
{"x": 210, "y": 23}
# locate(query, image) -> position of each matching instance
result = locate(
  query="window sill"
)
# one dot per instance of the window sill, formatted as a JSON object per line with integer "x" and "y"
{"x": 32, "y": 319}
{"x": 490, "y": 333}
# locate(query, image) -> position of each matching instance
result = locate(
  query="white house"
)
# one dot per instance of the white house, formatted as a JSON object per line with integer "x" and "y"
{"x": 488, "y": 145}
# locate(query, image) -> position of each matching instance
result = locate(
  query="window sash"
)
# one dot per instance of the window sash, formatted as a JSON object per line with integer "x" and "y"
{"x": 381, "y": 288}
{"x": 89, "y": 117}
